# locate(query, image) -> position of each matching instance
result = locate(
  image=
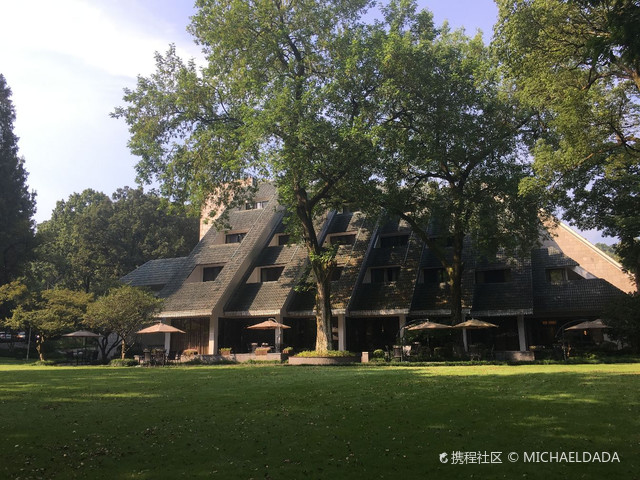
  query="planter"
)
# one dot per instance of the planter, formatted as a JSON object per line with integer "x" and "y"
{"x": 323, "y": 360}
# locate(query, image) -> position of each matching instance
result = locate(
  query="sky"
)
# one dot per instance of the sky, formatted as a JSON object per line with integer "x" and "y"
{"x": 68, "y": 61}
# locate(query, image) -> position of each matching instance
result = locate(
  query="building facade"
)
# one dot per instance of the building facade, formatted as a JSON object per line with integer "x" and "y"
{"x": 385, "y": 279}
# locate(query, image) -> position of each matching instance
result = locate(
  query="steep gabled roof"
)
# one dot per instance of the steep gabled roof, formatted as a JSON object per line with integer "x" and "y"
{"x": 198, "y": 298}
{"x": 154, "y": 273}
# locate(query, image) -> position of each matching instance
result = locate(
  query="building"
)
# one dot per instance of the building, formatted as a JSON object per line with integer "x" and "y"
{"x": 386, "y": 277}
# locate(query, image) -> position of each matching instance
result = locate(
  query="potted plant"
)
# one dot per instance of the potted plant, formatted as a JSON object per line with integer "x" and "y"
{"x": 287, "y": 350}
{"x": 225, "y": 351}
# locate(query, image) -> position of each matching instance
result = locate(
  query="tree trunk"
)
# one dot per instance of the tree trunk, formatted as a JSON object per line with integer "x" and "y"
{"x": 39, "y": 348}
{"x": 323, "y": 316}
{"x": 123, "y": 349}
{"x": 455, "y": 271}
{"x": 322, "y": 263}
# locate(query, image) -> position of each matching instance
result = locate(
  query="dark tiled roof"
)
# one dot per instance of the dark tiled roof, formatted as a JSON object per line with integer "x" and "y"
{"x": 395, "y": 295}
{"x": 154, "y": 272}
{"x": 200, "y": 298}
{"x": 269, "y": 296}
{"x": 584, "y": 296}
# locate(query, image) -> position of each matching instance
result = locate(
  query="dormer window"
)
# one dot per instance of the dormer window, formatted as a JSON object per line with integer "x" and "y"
{"x": 384, "y": 274}
{"x": 343, "y": 239}
{"x": 270, "y": 274}
{"x": 234, "y": 237}
{"x": 401, "y": 240}
{"x": 557, "y": 276}
{"x": 435, "y": 275}
{"x": 493, "y": 276}
{"x": 209, "y": 274}
{"x": 255, "y": 205}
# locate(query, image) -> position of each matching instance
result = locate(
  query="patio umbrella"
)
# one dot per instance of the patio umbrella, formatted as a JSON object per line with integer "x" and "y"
{"x": 84, "y": 334}
{"x": 271, "y": 324}
{"x": 590, "y": 325}
{"x": 429, "y": 325}
{"x": 160, "y": 328}
{"x": 472, "y": 324}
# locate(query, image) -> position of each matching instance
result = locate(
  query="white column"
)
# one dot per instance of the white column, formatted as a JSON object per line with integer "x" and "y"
{"x": 278, "y": 333}
{"x": 213, "y": 335}
{"x": 402, "y": 321}
{"x": 167, "y": 342}
{"x": 521, "y": 334}
{"x": 464, "y": 339}
{"x": 342, "y": 332}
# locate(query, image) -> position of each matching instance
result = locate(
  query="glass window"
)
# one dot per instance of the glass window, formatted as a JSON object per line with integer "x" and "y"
{"x": 283, "y": 239}
{"x": 270, "y": 274}
{"x": 348, "y": 239}
{"x": 234, "y": 237}
{"x": 493, "y": 276}
{"x": 394, "y": 241}
{"x": 209, "y": 274}
{"x": 385, "y": 274}
{"x": 435, "y": 275}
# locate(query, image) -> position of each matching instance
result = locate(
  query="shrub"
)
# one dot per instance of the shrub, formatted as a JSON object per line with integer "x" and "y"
{"x": 378, "y": 353}
{"x": 328, "y": 353}
{"x": 127, "y": 362}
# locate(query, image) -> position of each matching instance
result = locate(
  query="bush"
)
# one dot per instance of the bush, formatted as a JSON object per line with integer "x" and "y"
{"x": 328, "y": 353}
{"x": 127, "y": 362}
{"x": 378, "y": 353}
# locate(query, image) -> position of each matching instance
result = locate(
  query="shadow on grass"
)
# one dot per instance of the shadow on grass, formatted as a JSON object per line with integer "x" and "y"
{"x": 275, "y": 422}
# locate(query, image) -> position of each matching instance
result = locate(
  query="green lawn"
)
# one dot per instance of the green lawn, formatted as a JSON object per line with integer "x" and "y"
{"x": 283, "y": 422}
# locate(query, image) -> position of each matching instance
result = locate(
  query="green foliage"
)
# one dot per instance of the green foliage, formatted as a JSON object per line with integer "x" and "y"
{"x": 326, "y": 353}
{"x": 378, "y": 353}
{"x": 575, "y": 65}
{"x": 124, "y": 362}
{"x": 286, "y": 95}
{"x": 122, "y": 311}
{"x": 334, "y": 422}
{"x": 50, "y": 313}
{"x": 450, "y": 163}
{"x": 92, "y": 240}
{"x": 623, "y": 316}
{"x": 17, "y": 203}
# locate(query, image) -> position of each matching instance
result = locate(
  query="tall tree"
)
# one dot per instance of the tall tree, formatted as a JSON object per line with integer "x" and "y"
{"x": 284, "y": 96}
{"x": 92, "y": 240}
{"x": 576, "y": 63}
{"x": 450, "y": 163}
{"x": 17, "y": 204}
{"x": 50, "y": 313}
{"x": 122, "y": 311}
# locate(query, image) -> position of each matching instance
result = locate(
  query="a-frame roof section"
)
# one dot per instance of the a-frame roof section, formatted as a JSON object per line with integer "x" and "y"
{"x": 189, "y": 297}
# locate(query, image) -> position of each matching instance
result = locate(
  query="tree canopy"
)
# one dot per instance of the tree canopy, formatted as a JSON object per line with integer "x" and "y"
{"x": 576, "y": 64}
{"x": 17, "y": 203}
{"x": 284, "y": 96}
{"x": 122, "y": 311}
{"x": 92, "y": 240}
{"x": 50, "y": 313}
{"x": 450, "y": 160}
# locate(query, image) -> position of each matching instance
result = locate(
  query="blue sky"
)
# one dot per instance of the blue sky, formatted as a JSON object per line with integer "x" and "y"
{"x": 67, "y": 62}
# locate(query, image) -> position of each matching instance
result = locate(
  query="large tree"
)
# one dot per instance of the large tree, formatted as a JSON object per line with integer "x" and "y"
{"x": 50, "y": 313}
{"x": 17, "y": 204}
{"x": 449, "y": 145}
{"x": 284, "y": 96}
{"x": 92, "y": 240}
{"x": 122, "y": 311}
{"x": 576, "y": 64}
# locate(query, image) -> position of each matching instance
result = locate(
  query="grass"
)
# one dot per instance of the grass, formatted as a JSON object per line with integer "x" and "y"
{"x": 281, "y": 422}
